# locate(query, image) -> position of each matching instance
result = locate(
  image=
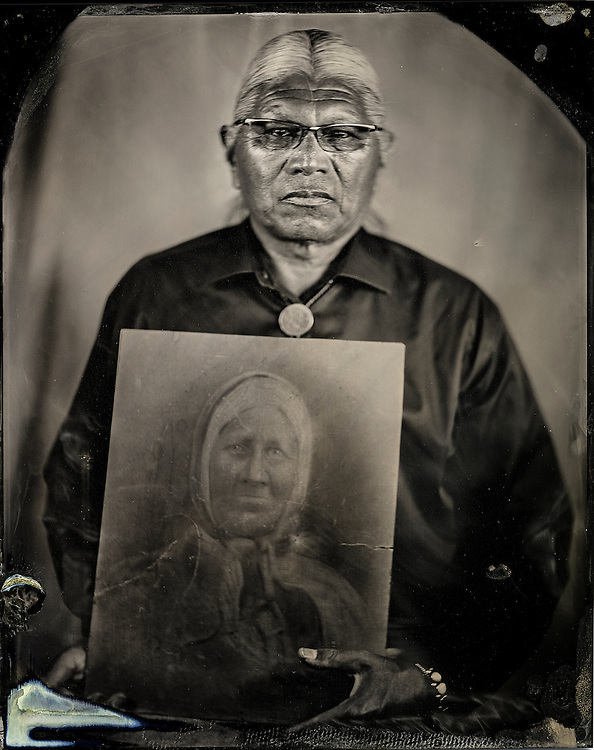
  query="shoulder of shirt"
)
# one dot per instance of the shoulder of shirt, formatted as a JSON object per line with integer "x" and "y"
{"x": 204, "y": 250}
{"x": 408, "y": 266}
{"x": 396, "y": 264}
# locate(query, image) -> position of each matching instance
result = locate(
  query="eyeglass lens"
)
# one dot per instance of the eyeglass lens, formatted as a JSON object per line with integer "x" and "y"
{"x": 277, "y": 135}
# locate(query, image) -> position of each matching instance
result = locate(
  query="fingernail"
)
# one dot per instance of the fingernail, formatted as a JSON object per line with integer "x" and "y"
{"x": 308, "y": 653}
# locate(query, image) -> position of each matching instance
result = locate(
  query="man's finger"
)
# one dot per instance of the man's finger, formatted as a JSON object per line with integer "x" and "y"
{"x": 95, "y": 697}
{"x": 349, "y": 661}
{"x": 117, "y": 700}
{"x": 69, "y": 665}
{"x": 341, "y": 711}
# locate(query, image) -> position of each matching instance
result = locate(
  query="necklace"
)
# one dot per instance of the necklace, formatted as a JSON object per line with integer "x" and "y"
{"x": 297, "y": 319}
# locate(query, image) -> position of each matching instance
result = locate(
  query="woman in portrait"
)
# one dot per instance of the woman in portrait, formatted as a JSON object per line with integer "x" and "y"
{"x": 238, "y": 583}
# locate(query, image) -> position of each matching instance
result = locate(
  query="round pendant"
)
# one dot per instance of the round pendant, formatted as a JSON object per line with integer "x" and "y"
{"x": 295, "y": 319}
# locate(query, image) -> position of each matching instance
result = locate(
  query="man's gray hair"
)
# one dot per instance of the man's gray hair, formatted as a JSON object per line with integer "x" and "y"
{"x": 322, "y": 56}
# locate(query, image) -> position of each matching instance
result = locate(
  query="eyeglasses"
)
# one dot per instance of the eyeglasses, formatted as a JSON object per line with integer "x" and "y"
{"x": 278, "y": 135}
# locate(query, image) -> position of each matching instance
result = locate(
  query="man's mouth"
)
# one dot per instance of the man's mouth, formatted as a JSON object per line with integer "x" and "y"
{"x": 307, "y": 197}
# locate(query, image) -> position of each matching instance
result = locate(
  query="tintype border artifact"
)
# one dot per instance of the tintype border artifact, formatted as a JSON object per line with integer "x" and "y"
{"x": 551, "y": 46}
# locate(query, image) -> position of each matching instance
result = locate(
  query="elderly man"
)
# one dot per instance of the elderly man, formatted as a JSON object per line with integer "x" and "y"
{"x": 483, "y": 520}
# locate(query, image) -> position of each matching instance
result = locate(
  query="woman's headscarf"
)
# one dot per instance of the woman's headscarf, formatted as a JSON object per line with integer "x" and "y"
{"x": 278, "y": 558}
{"x": 248, "y": 391}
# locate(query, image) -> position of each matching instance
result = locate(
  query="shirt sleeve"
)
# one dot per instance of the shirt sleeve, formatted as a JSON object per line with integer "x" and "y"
{"x": 76, "y": 467}
{"x": 513, "y": 519}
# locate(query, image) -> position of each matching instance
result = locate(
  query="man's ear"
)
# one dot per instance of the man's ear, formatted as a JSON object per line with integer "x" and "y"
{"x": 387, "y": 140}
{"x": 228, "y": 138}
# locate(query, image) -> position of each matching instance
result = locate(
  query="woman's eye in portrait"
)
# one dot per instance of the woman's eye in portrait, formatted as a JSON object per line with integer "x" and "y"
{"x": 237, "y": 449}
{"x": 276, "y": 453}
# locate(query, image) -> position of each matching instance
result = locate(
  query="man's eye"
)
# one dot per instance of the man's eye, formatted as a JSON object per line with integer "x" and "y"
{"x": 340, "y": 134}
{"x": 279, "y": 134}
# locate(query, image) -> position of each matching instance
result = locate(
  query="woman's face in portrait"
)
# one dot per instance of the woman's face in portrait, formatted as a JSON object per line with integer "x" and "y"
{"x": 253, "y": 470}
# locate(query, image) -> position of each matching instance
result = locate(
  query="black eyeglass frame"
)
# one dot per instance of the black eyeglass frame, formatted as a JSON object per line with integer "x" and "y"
{"x": 315, "y": 129}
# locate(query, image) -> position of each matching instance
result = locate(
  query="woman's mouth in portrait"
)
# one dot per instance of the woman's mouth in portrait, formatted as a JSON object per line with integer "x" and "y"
{"x": 253, "y": 501}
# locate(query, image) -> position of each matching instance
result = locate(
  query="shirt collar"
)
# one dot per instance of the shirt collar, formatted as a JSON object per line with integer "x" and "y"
{"x": 364, "y": 259}
{"x": 240, "y": 257}
{"x": 365, "y": 262}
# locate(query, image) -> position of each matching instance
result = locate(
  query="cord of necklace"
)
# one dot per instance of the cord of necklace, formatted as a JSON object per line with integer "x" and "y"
{"x": 322, "y": 291}
{"x": 310, "y": 302}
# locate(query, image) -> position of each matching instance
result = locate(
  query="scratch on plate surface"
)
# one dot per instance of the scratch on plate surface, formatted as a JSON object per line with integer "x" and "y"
{"x": 362, "y": 544}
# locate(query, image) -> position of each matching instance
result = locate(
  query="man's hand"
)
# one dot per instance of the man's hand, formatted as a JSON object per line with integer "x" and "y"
{"x": 70, "y": 665}
{"x": 69, "y": 668}
{"x": 382, "y": 689}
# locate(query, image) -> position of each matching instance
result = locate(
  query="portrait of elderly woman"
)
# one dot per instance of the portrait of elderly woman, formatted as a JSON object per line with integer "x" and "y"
{"x": 209, "y": 624}
{"x": 364, "y": 179}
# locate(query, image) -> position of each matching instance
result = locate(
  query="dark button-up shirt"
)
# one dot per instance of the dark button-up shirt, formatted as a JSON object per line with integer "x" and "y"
{"x": 482, "y": 518}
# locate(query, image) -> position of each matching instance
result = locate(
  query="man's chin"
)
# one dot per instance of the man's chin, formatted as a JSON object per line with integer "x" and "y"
{"x": 320, "y": 231}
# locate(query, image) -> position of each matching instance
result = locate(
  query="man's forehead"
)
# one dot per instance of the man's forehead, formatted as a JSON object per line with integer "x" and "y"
{"x": 310, "y": 109}
{"x": 312, "y": 95}
{"x": 300, "y": 89}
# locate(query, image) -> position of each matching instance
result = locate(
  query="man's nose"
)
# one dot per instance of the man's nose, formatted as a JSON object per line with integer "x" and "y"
{"x": 309, "y": 157}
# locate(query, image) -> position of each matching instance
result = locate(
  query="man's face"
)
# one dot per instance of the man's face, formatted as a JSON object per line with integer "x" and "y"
{"x": 253, "y": 470}
{"x": 307, "y": 194}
